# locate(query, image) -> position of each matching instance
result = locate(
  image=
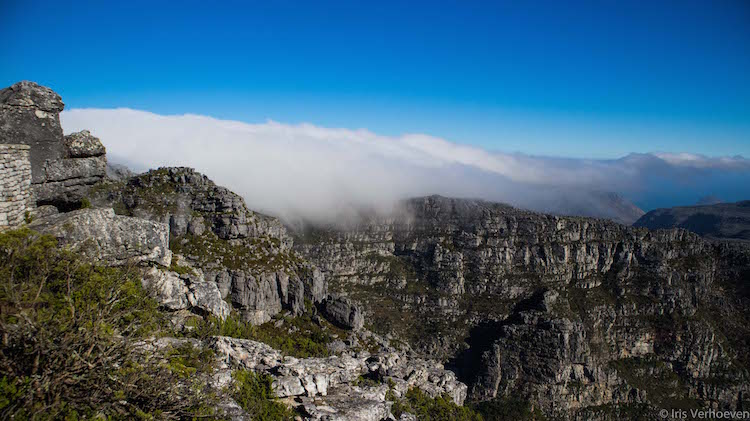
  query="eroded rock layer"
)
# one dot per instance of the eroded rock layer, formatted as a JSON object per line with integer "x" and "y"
{"x": 569, "y": 313}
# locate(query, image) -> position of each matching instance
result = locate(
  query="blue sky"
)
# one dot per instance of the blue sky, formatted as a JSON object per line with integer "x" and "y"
{"x": 579, "y": 79}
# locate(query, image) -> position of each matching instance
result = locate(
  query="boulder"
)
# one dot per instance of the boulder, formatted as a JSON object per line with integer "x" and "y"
{"x": 343, "y": 312}
{"x": 176, "y": 292}
{"x": 205, "y": 297}
{"x": 167, "y": 288}
{"x": 83, "y": 145}
{"x": 108, "y": 238}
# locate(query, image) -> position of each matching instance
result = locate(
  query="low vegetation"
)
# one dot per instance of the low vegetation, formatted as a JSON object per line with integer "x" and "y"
{"x": 253, "y": 392}
{"x": 425, "y": 408}
{"x": 258, "y": 254}
{"x": 299, "y": 336}
{"x": 68, "y": 331}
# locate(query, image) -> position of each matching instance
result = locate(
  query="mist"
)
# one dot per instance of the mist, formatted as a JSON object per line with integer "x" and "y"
{"x": 315, "y": 173}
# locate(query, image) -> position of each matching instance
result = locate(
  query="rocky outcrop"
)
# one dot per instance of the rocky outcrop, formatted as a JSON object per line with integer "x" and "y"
{"x": 332, "y": 388}
{"x": 66, "y": 181}
{"x": 63, "y": 168}
{"x": 186, "y": 291}
{"x": 551, "y": 310}
{"x": 83, "y": 145}
{"x": 343, "y": 312}
{"x": 118, "y": 172}
{"x": 247, "y": 255}
{"x": 30, "y": 115}
{"x": 108, "y": 238}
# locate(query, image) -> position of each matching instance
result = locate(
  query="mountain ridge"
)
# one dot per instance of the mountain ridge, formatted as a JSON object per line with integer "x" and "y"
{"x": 727, "y": 221}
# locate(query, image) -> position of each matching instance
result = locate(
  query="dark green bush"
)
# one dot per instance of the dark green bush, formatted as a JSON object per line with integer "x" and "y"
{"x": 253, "y": 392}
{"x": 68, "y": 329}
{"x": 425, "y": 408}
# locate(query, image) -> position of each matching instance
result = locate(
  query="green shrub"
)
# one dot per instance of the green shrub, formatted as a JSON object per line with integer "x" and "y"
{"x": 308, "y": 339}
{"x": 186, "y": 360}
{"x": 254, "y": 393}
{"x": 68, "y": 329}
{"x": 425, "y": 408}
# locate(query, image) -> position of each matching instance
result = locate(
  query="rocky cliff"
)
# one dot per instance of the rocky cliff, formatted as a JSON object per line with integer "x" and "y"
{"x": 246, "y": 254}
{"x": 464, "y": 301}
{"x": 572, "y": 314}
{"x": 210, "y": 264}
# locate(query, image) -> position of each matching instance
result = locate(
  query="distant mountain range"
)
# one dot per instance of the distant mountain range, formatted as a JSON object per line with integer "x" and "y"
{"x": 718, "y": 221}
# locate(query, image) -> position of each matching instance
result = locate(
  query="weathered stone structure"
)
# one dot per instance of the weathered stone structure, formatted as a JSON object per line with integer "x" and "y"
{"x": 30, "y": 115}
{"x": 62, "y": 167}
{"x": 15, "y": 185}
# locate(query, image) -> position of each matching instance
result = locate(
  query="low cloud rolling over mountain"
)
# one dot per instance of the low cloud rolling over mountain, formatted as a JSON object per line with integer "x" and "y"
{"x": 306, "y": 171}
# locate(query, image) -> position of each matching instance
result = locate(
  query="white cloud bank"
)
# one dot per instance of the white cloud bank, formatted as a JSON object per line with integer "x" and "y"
{"x": 313, "y": 172}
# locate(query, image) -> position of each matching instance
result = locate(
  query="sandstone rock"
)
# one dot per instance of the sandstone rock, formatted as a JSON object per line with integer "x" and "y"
{"x": 344, "y": 312}
{"x": 547, "y": 305}
{"x": 62, "y": 168}
{"x": 83, "y": 145}
{"x": 82, "y": 168}
{"x": 327, "y": 387}
{"x": 179, "y": 292}
{"x": 169, "y": 290}
{"x": 29, "y": 114}
{"x": 347, "y": 403}
{"x": 118, "y": 172}
{"x": 44, "y": 211}
{"x": 206, "y": 297}
{"x": 109, "y": 238}
{"x": 246, "y": 254}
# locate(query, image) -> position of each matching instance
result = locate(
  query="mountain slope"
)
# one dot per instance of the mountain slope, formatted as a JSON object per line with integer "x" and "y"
{"x": 570, "y": 314}
{"x": 718, "y": 221}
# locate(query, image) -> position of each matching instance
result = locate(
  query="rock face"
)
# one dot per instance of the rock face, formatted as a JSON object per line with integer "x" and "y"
{"x": 108, "y": 238}
{"x": 715, "y": 221}
{"x": 66, "y": 181}
{"x": 571, "y": 314}
{"x": 62, "y": 167}
{"x": 188, "y": 291}
{"x": 246, "y": 254}
{"x": 344, "y": 312}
